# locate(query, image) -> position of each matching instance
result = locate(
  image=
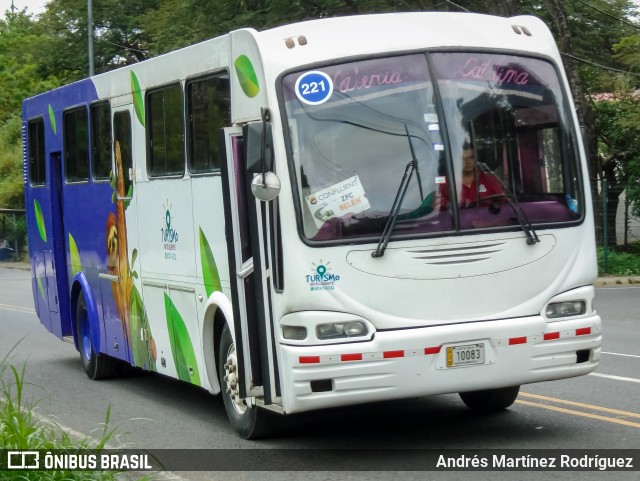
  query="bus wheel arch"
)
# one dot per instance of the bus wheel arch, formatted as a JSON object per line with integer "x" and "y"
{"x": 218, "y": 313}
{"x": 81, "y": 288}
{"x": 247, "y": 419}
{"x": 250, "y": 422}
{"x": 86, "y": 325}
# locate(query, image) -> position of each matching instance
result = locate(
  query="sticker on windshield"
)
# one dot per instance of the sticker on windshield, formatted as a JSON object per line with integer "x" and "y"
{"x": 314, "y": 88}
{"x": 346, "y": 197}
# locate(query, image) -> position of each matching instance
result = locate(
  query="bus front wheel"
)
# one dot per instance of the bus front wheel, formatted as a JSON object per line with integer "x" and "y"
{"x": 490, "y": 399}
{"x": 250, "y": 422}
{"x": 96, "y": 365}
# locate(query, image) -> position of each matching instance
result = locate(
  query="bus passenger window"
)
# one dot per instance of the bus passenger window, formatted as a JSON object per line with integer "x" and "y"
{"x": 122, "y": 139}
{"x": 101, "y": 141}
{"x": 76, "y": 145}
{"x": 208, "y": 110}
{"x": 165, "y": 132}
{"x": 37, "y": 167}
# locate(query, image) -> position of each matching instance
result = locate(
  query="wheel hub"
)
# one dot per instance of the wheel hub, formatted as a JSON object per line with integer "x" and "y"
{"x": 231, "y": 380}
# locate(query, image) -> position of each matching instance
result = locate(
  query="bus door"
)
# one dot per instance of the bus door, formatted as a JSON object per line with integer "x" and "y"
{"x": 245, "y": 220}
{"x": 115, "y": 282}
{"x": 55, "y": 261}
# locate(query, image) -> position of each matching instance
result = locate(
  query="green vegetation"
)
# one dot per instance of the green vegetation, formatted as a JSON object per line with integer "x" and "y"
{"x": 11, "y": 162}
{"x": 21, "y": 429}
{"x": 621, "y": 261}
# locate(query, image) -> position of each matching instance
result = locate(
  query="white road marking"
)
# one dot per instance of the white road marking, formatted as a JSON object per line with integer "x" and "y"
{"x": 17, "y": 308}
{"x": 619, "y": 354}
{"x": 615, "y": 378}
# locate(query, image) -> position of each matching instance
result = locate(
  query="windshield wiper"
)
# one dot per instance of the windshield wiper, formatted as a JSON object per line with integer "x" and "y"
{"x": 411, "y": 167}
{"x": 523, "y": 220}
{"x": 395, "y": 209}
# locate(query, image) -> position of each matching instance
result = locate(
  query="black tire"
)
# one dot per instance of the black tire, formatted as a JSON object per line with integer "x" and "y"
{"x": 491, "y": 399}
{"x": 96, "y": 365}
{"x": 250, "y": 422}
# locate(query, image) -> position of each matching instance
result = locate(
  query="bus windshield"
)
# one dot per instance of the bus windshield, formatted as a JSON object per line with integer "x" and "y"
{"x": 489, "y": 130}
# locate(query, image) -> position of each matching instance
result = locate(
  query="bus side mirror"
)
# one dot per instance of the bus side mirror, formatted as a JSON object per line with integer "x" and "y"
{"x": 258, "y": 156}
{"x": 258, "y": 144}
{"x": 265, "y": 187}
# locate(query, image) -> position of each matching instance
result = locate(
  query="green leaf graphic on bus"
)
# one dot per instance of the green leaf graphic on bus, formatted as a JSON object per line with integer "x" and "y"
{"x": 247, "y": 76}
{"x": 138, "y": 100}
{"x": 143, "y": 346}
{"x": 183, "y": 354}
{"x": 52, "y": 119}
{"x": 209, "y": 268}
{"x": 40, "y": 287}
{"x": 40, "y": 220}
{"x": 74, "y": 255}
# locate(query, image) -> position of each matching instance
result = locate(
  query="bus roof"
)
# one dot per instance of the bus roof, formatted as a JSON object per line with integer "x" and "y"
{"x": 344, "y": 37}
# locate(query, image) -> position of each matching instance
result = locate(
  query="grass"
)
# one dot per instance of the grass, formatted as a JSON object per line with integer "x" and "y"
{"x": 621, "y": 260}
{"x": 21, "y": 429}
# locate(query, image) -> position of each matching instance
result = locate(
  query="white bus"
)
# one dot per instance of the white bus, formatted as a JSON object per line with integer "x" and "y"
{"x": 270, "y": 215}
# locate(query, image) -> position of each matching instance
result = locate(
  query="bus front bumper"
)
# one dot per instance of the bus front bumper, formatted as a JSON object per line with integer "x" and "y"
{"x": 413, "y": 362}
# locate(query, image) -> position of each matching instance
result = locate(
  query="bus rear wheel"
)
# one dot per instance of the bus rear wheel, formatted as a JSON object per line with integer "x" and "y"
{"x": 96, "y": 365}
{"x": 250, "y": 422}
{"x": 490, "y": 400}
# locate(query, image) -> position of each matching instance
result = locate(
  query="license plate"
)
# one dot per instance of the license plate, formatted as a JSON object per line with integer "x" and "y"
{"x": 465, "y": 355}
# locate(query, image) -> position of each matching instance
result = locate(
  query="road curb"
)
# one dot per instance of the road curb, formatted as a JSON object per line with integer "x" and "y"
{"x": 20, "y": 266}
{"x": 617, "y": 281}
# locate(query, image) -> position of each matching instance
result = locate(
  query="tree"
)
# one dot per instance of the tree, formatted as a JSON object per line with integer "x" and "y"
{"x": 586, "y": 34}
{"x": 118, "y": 36}
{"x": 628, "y": 119}
{"x": 11, "y": 188}
{"x": 20, "y": 38}
{"x": 619, "y": 149}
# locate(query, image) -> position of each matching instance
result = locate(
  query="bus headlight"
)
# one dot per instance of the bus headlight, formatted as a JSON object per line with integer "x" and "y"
{"x": 565, "y": 309}
{"x": 314, "y": 328}
{"x": 294, "y": 333}
{"x": 337, "y": 330}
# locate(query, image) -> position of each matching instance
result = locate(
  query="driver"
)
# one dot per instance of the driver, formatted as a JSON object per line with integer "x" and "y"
{"x": 475, "y": 186}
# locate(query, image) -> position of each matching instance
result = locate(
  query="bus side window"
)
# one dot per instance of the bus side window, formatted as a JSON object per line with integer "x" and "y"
{"x": 165, "y": 131}
{"x": 208, "y": 110}
{"x": 101, "y": 141}
{"x": 37, "y": 166}
{"x": 76, "y": 145}
{"x": 122, "y": 139}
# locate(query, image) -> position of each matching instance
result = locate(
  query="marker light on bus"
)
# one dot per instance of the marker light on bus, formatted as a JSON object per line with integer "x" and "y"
{"x": 294, "y": 333}
{"x": 565, "y": 309}
{"x": 335, "y": 330}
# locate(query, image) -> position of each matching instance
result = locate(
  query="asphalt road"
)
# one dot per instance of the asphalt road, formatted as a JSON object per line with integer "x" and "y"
{"x": 598, "y": 411}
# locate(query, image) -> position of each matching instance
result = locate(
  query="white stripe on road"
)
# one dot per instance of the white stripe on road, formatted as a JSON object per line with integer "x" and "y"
{"x": 618, "y": 354}
{"x": 615, "y": 378}
{"x": 17, "y": 308}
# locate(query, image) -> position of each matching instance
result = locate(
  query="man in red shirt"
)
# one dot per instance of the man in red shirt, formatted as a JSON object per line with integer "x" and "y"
{"x": 471, "y": 191}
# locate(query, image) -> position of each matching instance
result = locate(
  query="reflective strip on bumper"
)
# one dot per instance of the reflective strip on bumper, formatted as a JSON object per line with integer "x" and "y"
{"x": 432, "y": 350}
